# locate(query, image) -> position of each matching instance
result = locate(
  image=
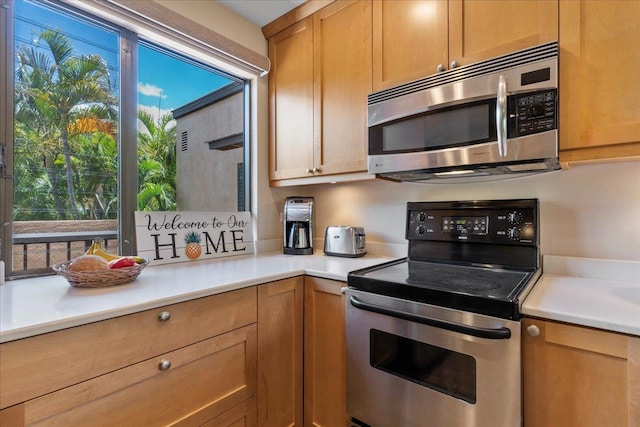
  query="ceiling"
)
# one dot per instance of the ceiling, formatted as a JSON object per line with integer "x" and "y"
{"x": 261, "y": 12}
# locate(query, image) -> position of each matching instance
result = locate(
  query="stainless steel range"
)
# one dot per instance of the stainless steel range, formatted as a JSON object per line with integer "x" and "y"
{"x": 434, "y": 339}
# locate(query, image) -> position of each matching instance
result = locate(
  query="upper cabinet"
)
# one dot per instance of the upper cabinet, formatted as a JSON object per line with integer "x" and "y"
{"x": 410, "y": 40}
{"x": 599, "y": 68}
{"x": 414, "y": 39}
{"x": 318, "y": 86}
{"x": 291, "y": 101}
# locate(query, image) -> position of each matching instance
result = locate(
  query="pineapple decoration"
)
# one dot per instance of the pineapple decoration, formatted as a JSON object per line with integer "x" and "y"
{"x": 192, "y": 248}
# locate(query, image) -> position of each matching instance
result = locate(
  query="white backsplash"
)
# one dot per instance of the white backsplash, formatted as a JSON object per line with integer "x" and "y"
{"x": 587, "y": 211}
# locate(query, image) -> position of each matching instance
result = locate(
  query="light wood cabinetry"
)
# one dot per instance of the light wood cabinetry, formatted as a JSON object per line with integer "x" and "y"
{"x": 577, "y": 376}
{"x": 299, "y": 317}
{"x": 599, "y": 68}
{"x": 280, "y": 359}
{"x": 291, "y": 101}
{"x": 325, "y": 389}
{"x": 318, "y": 84}
{"x": 184, "y": 364}
{"x": 414, "y": 39}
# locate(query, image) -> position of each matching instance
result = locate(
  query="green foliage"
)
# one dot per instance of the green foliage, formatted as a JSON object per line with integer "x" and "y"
{"x": 156, "y": 163}
{"x": 65, "y": 117}
{"x": 66, "y": 149}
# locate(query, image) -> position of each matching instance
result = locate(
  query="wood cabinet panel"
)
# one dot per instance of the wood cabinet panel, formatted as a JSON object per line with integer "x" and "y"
{"x": 291, "y": 101}
{"x": 342, "y": 81}
{"x": 599, "y": 64}
{"x": 576, "y": 376}
{"x": 280, "y": 346}
{"x": 473, "y": 35}
{"x": 325, "y": 389}
{"x": 203, "y": 381}
{"x": 59, "y": 359}
{"x": 243, "y": 415}
{"x": 410, "y": 40}
{"x": 318, "y": 85}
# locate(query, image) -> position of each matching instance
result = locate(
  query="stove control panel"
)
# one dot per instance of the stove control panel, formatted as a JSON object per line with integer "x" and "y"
{"x": 482, "y": 222}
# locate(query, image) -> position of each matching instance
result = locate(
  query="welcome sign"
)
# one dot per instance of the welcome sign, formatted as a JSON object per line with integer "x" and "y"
{"x": 169, "y": 237}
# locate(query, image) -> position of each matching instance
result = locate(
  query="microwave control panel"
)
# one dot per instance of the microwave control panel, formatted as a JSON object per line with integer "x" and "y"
{"x": 534, "y": 112}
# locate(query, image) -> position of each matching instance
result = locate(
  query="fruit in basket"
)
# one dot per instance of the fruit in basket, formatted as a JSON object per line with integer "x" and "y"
{"x": 122, "y": 262}
{"x": 89, "y": 263}
{"x": 96, "y": 249}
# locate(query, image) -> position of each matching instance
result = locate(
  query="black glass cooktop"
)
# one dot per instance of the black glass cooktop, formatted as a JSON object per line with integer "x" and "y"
{"x": 492, "y": 291}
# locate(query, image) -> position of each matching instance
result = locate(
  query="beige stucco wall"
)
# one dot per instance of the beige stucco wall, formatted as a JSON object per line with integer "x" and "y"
{"x": 207, "y": 179}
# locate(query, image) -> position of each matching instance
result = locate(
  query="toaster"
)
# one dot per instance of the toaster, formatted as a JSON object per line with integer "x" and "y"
{"x": 344, "y": 241}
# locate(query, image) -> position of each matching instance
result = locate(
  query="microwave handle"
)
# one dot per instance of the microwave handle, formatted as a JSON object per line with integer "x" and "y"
{"x": 501, "y": 116}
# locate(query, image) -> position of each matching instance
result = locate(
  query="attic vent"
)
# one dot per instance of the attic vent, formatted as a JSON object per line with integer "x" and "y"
{"x": 185, "y": 141}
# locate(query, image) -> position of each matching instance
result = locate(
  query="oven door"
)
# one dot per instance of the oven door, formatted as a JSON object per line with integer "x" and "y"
{"x": 412, "y": 364}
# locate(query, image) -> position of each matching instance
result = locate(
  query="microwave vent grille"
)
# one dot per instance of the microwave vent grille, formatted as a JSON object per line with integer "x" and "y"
{"x": 541, "y": 52}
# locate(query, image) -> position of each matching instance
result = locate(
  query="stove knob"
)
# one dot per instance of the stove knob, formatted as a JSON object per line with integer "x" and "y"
{"x": 422, "y": 216}
{"x": 514, "y": 217}
{"x": 514, "y": 233}
{"x": 421, "y": 229}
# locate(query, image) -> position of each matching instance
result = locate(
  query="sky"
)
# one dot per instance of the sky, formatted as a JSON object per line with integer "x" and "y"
{"x": 164, "y": 81}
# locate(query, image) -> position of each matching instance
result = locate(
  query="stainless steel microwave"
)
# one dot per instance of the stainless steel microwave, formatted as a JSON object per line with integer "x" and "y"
{"x": 484, "y": 121}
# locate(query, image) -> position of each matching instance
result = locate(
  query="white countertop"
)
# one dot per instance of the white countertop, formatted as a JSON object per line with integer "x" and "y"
{"x": 603, "y": 294}
{"x": 34, "y": 306}
{"x": 597, "y": 293}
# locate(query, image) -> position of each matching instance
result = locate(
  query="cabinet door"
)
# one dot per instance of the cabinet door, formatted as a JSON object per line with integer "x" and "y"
{"x": 483, "y": 29}
{"x": 203, "y": 381}
{"x": 325, "y": 390}
{"x": 94, "y": 349}
{"x": 599, "y": 69}
{"x": 280, "y": 329}
{"x": 342, "y": 58}
{"x": 291, "y": 101}
{"x": 580, "y": 377}
{"x": 410, "y": 40}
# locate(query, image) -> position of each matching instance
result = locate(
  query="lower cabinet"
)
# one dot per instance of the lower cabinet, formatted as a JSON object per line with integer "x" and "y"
{"x": 301, "y": 334}
{"x": 579, "y": 377}
{"x": 208, "y": 378}
{"x": 325, "y": 378}
{"x": 280, "y": 337}
{"x": 268, "y": 355}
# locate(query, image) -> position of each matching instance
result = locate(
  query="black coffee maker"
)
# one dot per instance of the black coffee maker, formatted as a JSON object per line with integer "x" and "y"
{"x": 298, "y": 226}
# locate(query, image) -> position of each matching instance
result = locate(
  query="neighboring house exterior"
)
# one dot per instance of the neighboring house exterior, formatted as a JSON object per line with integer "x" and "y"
{"x": 209, "y": 152}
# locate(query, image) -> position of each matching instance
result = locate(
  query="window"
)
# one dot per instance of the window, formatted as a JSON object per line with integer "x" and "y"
{"x": 97, "y": 116}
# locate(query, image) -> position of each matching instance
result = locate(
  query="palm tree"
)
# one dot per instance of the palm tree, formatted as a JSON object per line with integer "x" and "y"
{"x": 157, "y": 162}
{"x": 59, "y": 96}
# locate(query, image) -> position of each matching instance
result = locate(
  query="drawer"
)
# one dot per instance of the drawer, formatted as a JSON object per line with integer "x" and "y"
{"x": 37, "y": 365}
{"x": 204, "y": 381}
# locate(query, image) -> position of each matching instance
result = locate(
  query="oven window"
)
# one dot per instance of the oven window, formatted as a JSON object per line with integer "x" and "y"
{"x": 440, "y": 129}
{"x": 438, "y": 368}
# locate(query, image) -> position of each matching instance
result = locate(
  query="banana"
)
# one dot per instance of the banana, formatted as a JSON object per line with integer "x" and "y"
{"x": 91, "y": 248}
{"x": 97, "y": 250}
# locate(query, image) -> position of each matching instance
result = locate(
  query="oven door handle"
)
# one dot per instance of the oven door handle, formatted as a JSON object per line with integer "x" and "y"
{"x": 489, "y": 333}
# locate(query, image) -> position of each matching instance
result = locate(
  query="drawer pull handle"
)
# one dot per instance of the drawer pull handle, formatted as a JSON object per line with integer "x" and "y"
{"x": 164, "y": 365}
{"x": 163, "y": 316}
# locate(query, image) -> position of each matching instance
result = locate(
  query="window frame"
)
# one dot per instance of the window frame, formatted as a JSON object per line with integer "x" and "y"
{"x": 131, "y": 33}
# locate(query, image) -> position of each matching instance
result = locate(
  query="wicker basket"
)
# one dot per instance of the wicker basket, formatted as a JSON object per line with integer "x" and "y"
{"x": 100, "y": 278}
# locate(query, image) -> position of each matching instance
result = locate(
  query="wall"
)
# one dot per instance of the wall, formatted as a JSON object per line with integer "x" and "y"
{"x": 207, "y": 180}
{"x": 587, "y": 211}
